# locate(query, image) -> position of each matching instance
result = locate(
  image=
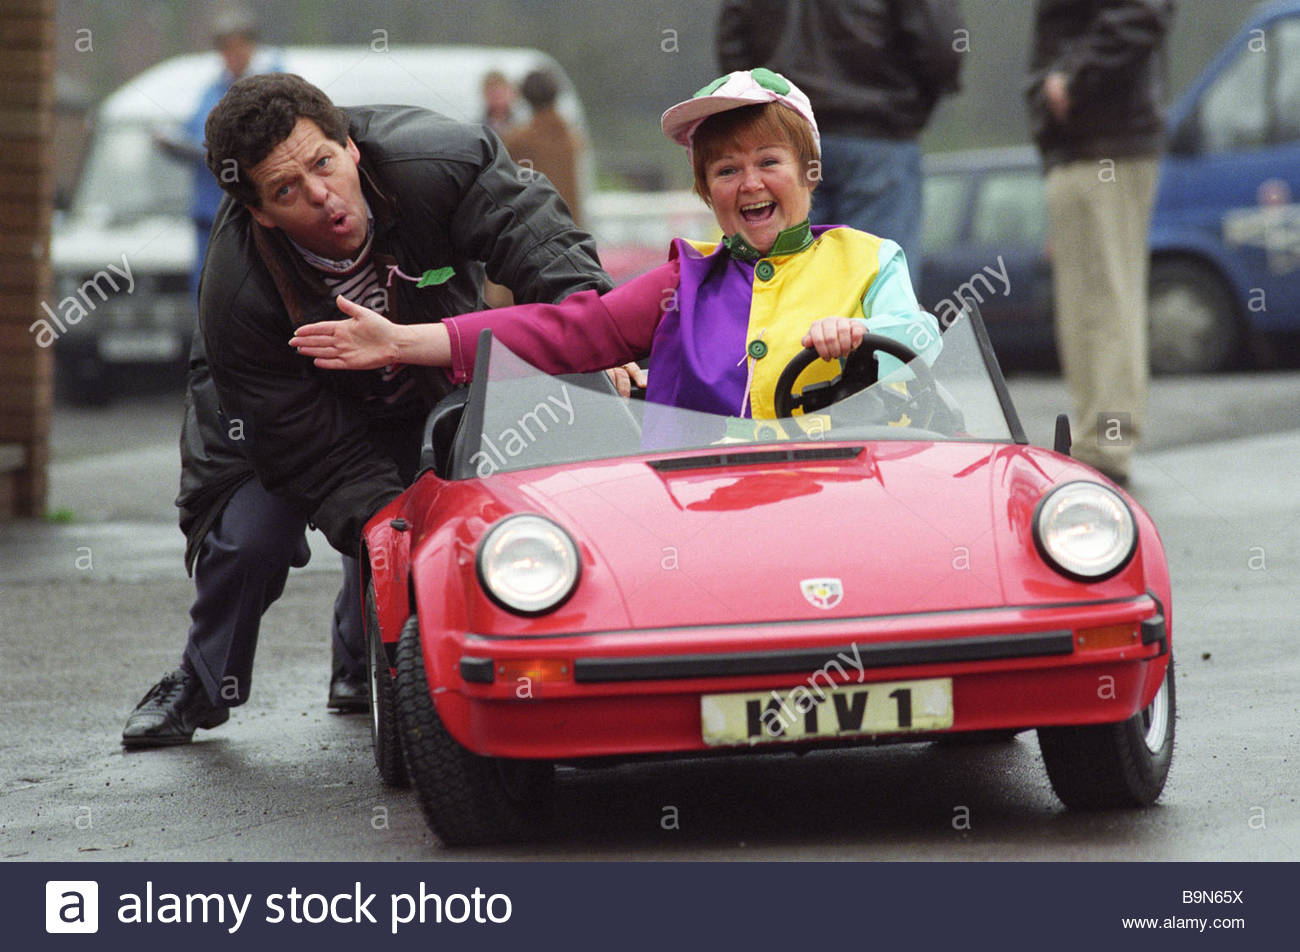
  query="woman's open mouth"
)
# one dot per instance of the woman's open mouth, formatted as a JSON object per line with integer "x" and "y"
{"x": 756, "y": 212}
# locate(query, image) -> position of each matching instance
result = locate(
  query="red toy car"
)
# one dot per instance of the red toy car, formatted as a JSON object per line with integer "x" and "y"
{"x": 576, "y": 576}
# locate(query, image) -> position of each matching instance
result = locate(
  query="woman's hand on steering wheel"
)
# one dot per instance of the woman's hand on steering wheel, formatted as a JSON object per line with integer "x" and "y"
{"x": 834, "y": 337}
{"x": 860, "y": 372}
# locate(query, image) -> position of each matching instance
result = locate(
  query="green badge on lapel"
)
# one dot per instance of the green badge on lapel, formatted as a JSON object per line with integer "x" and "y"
{"x": 435, "y": 276}
{"x": 430, "y": 278}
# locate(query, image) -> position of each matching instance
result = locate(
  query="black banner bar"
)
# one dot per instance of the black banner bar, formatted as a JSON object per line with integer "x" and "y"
{"x": 631, "y": 906}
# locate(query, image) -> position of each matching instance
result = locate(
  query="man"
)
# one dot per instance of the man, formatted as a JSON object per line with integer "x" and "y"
{"x": 545, "y": 143}
{"x": 235, "y": 38}
{"x": 874, "y": 71}
{"x": 322, "y": 202}
{"x": 1095, "y": 96}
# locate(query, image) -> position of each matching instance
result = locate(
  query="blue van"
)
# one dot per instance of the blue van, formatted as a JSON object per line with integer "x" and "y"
{"x": 1225, "y": 230}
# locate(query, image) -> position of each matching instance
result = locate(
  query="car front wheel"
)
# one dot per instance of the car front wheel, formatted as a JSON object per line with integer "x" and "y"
{"x": 1105, "y": 766}
{"x": 466, "y": 799}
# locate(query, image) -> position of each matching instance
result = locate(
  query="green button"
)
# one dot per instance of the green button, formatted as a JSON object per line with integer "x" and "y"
{"x": 757, "y": 349}
{"x": 764, "y": 270}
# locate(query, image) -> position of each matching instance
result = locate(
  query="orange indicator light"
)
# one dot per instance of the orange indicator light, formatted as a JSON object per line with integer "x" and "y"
{"x": 539, "y": 669}
{"x": 1111, "y": 636}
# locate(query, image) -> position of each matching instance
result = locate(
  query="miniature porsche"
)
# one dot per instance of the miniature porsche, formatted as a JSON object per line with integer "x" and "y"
{"x": 576, "y": 578}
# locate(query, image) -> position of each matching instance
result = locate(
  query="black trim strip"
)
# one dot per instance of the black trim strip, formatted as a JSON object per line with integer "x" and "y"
{"x": 762, "y": 456}
{"x": 477, "y": 670}
{"x": 1152, "y": 634}
{"x": 822, "y": 622}
{"x": 732, "y": 664}
{"x": 1153, "y": 629}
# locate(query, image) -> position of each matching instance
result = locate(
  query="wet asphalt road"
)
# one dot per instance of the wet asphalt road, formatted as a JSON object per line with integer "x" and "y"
{"x": 94, "y": 610}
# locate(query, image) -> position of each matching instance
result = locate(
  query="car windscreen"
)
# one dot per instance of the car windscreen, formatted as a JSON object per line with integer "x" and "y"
{"x": 128, "y": 177}
{"x": 529, "y": 418}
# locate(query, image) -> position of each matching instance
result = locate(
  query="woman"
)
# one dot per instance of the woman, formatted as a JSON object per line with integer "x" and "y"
{"x": 718, "y": 321}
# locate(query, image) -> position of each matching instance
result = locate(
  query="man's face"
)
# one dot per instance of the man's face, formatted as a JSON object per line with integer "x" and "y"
{"x": 310, "y": 187}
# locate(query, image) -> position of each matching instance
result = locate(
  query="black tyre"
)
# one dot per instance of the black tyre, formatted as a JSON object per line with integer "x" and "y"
{"x": 385, "y": 735}
{"x": 1113, "y": 765}
{"x": 466, "y": 799}
{"x": 1193, "y": 320}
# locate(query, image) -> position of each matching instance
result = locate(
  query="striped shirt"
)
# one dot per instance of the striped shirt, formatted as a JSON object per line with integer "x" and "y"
{"x": 395, "y": 383}
{"x": 357, "y": 280}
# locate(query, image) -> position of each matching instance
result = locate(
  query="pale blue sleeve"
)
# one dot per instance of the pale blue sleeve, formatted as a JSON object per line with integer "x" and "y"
{"x": 890, "y": 308}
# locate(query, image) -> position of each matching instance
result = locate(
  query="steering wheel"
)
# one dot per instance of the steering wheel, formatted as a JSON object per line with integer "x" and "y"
{"x": 860, "y": 371}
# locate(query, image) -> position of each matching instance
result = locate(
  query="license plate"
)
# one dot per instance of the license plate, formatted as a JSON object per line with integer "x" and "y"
{"x": 813, "y": 713}
{"x": 138, "y": 346}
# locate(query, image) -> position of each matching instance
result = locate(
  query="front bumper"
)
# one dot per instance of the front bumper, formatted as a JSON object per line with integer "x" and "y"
{"x": 638, "y": 692}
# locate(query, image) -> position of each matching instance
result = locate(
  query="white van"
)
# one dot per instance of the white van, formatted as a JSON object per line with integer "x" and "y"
{"x": 124, "y": 251}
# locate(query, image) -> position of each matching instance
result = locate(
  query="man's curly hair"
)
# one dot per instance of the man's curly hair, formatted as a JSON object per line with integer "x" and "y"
{"x": 255, "y": 115}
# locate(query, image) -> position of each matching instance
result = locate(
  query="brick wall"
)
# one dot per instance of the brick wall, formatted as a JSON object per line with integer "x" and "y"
{"x": 26, "y": 201}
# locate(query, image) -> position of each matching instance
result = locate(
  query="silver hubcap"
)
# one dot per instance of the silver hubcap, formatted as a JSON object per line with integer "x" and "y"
{"x": 374, "y": 697}
{"x": 1156, "y": 718}
{"x": 1183, "y": 328}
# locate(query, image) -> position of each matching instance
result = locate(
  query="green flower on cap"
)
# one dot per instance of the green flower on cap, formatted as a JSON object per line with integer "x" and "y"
{"x": 711, "y": 88}
{"x": 770, "y": 80}
{"x": 763, "y": 76}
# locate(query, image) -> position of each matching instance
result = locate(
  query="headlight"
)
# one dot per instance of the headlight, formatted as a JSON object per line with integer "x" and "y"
{"x": 1085, "y": 531}
{"x": 528, "y": 564}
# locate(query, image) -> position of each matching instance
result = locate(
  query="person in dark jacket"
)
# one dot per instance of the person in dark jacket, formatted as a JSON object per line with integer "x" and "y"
{"x": 1095, "y": 93}
{"x": 874, "y": 71}
{"x": 398, "y": 206}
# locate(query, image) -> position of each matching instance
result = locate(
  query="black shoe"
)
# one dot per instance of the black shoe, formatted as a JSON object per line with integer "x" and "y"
{"x": 170, "y": 712}
{"x": 350, "y": 693}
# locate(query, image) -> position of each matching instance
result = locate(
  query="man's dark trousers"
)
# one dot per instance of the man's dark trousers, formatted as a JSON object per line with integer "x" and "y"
{"x": 240, "y": 570}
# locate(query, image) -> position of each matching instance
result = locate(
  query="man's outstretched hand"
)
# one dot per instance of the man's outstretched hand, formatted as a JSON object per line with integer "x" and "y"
{"x": 364, "y": 341}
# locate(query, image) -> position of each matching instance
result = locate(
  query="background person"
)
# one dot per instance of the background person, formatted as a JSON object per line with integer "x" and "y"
{"x": 499, "y": 95}
{"x": 546, "y": 143}
{"x": 498, "y": 102}
{"x": 1095, "y": 92}
{"x": 235, "y": 36}
{"x": 269, "y": 441}
{"x": 719, "y": 321}
{"x": 874, "y": 71}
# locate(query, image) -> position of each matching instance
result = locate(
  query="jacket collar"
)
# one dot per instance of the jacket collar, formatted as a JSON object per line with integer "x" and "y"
{"x": 790, "y": 241}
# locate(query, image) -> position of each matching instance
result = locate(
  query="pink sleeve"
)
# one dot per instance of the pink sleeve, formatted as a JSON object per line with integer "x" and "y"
{"x": 587, "y": 331}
